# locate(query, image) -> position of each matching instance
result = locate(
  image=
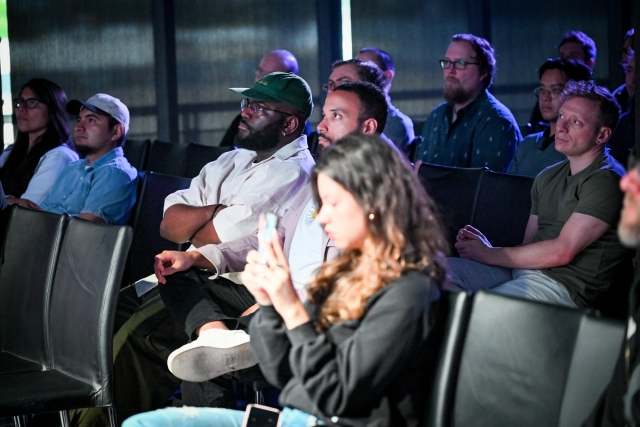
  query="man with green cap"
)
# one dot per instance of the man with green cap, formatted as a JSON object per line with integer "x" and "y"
{"x": 223, "y": 203}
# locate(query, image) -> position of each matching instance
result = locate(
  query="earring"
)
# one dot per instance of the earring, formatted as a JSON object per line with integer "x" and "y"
{"x": 372, "y": 216}
{"x": 284, "y": 133}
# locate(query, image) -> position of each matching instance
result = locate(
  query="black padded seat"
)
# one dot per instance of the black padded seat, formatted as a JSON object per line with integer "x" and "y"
{"x": 136, "y": 152}
{"x": 147, "y": 242}
{"x": 80, "y": 327}
{"x": 197, "y": 156}
{"x": 526, "y": 363}
{"x": 166, "y": 157}
{"x": 454, "y": 191}
{"x": 32, "y": 246}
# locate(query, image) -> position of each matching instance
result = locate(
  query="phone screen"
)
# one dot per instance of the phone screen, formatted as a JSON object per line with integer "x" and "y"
{"x": 260, "y": 416}
{"x": 270, "y": 224}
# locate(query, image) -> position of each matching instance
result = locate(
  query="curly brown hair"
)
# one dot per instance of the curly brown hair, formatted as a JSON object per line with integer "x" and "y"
{"x": 405, "y": 229}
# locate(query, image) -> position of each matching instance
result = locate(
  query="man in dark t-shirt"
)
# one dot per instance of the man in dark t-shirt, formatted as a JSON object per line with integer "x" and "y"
{"x": 570, "y": 252}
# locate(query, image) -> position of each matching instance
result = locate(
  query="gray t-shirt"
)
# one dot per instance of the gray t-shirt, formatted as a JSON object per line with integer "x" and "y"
{"x": 594, "y": 191}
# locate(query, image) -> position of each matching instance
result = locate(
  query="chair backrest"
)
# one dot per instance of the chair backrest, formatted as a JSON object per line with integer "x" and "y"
{"x": 445, "y": 343}
{"x": 166, "y": 157}
{"x": 83, "y": 301}
{"x": 502, "y": 207}
{"x": 197, "y": 156}
{"x": 26, "y": 277}
{"x": 136, "y": 152}
{"x": 454, "y": 191}
{"x": 147, "y": 242}
{"x": 526, "y": 363}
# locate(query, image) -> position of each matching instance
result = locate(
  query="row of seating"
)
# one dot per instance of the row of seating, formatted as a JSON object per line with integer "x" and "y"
{"x": 59, "y": 285}
{"x": 170, "y": 158}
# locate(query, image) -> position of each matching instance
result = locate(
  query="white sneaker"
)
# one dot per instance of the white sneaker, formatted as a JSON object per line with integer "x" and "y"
{"x": 215, "y": 352}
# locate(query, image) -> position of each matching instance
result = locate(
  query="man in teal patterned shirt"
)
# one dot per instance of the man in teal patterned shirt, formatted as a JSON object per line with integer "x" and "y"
{"x": 472, "y": 128}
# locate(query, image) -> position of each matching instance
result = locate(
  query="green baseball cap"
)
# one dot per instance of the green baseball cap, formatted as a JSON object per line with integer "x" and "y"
{"x": 281, "y": 87}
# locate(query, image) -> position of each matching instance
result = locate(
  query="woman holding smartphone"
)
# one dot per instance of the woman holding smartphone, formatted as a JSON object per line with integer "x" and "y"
{"x": 354, "y": 354}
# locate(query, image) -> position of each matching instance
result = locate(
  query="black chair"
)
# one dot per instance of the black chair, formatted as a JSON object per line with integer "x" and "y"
{"x": 147, "y": 242}
{"x": 527, "y": 364}
{"x": 136, "y": 152}
{"x": 454, "y": 190}
{"x": 312, "y": 143}
{"x": 82, "y": 307}
{"x": 26, "y": 278}
{"x": 503, "y": 206}
{"x": 197, "y": 156}
{"x": 445, "y": 343}
{"x": 166, "y": 157}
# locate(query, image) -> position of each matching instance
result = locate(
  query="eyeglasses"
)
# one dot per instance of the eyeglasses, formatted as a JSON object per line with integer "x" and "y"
{"x": 331, "y": 85}
{"x": 541, "y": 93}
{"x": 28, "y": 103}
{"x": 256, "y": 109}
{"x": 458, "y": 65}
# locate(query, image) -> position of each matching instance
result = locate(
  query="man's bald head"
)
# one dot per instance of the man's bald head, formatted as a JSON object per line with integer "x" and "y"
{"x": 277, "y": 60}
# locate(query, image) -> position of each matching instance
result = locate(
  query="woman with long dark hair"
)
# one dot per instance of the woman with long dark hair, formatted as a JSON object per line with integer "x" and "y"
{"x": 355, "y": 354}
{"x": 43, "y": 144}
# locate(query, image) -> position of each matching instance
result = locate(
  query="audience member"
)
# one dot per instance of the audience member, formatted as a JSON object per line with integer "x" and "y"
{"x": 277, "y": 60}
{"x": 222, "y": 204}
{"x": 573, "y": 45}
{"x": 570, "y": 254}
{"x": 102, "y": 186}
{"x": 368, "y": 309}
{"x": 356, "y": 70}
{"x": 399, "y": 127}
{"x": 577, "y": 45}
{"x": 623, "y": 139}
{"x": 353, "y": 108}
{"x": 619, "y": 404}
{"x": 537, "y": 151}
{"x": 621, "y": 94}
{"x": 43, "y": 145}
{"x": 472, "y": 128}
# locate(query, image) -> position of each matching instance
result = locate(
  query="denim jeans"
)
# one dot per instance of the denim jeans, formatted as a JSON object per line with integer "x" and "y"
{"x": 212, "y": 417}
{"x": 528, "y": 284}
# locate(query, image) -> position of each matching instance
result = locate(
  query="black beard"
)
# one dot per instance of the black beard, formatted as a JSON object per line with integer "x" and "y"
{"x": 85, "y": 151}
{"x": 456, "y": 95}
{"x": 259, "y": 140}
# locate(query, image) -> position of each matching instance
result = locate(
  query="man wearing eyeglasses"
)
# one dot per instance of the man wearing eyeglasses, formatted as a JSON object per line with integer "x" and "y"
{"x": 537, "y": 151}
{"x": 222, "y": 204}
{"x": 472, "y": 128}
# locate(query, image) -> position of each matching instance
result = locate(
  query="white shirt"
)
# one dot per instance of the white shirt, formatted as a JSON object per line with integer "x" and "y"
{"x": 248, "y": 188}
{"x": 306, "y": 253}
{"x": 46, "y": 173}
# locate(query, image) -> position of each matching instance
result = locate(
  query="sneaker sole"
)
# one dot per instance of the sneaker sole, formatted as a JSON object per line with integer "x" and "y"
{"x": 204, "y": 363}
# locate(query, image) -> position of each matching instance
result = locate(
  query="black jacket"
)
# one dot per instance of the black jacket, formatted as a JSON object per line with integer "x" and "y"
{"x": 363, "y": 372}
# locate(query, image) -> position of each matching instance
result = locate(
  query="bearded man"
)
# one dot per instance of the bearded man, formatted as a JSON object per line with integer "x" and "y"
{"x": 265, "y": 174}
{"x": 472, "y": 128}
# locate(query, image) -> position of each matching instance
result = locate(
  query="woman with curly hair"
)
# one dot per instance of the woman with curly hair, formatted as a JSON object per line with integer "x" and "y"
{"x": 43, "y": 144}
{"x": 354, "y": 354}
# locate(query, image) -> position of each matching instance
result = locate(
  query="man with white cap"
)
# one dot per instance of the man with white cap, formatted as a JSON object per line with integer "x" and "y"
{"x": 102, "y": 186}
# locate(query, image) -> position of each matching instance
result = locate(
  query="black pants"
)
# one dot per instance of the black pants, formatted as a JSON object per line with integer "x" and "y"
{"x": 194, "y": 300}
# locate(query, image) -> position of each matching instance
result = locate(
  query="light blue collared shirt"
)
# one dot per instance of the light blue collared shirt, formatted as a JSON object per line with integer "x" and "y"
{"x": 107, "y": 188}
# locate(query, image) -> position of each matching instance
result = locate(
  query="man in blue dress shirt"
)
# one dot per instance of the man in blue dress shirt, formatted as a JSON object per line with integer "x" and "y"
{"x": 102, "y": 186}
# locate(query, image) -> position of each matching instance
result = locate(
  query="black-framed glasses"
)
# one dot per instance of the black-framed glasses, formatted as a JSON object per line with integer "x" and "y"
{"x": 553, "y": 93}
{"x": 257, "y": 109}
{"x": 28, "y": 103}
{"x": 458, "y": 65}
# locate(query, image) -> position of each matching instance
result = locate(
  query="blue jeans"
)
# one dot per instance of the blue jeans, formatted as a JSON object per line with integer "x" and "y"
{"x": 212, "y": 417}
{"x": 528, "y": 284}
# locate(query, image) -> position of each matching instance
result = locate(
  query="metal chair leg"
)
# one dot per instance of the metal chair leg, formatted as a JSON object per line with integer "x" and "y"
{"x": 64, "y": 419}
{"x": 20, "y": 420}
{"x": 113, "y": 420}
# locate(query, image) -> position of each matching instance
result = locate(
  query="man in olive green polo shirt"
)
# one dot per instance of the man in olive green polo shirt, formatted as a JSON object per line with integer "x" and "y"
{"x": 570, "y": 254}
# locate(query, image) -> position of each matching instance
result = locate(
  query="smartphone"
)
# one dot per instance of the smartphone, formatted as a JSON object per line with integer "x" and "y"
{"x": 260, "y": 416}
{"x": 270, "y": 224}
